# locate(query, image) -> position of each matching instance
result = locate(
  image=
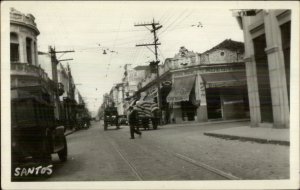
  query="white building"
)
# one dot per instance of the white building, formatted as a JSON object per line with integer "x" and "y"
{"x": 267, "y": 35}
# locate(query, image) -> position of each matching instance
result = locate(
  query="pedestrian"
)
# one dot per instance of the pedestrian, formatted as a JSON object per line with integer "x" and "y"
{"x": 133, "y": 122}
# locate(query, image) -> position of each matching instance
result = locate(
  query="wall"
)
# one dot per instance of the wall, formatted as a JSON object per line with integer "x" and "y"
{"x": 215, "y": 57}
{"x": 45, "y": 63}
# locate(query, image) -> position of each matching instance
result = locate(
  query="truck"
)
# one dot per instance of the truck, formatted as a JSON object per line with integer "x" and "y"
{"x": 111, "y": 117}
{"x": 35, "y": 132}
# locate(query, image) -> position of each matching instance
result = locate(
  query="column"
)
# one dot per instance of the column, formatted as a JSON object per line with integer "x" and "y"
{"x": 22, "y": 48}
{"x": 277, "y": 71}
{"x": 33, "y": 52}
{"x": 201, "y": 96}
{"x": 252, "y": 85}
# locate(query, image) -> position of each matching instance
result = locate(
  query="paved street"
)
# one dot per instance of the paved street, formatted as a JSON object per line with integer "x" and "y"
{"x": 173, "y": 152}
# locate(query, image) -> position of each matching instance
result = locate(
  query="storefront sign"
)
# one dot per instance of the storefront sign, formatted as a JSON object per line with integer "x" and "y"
{"x": 205, "y": 70}
{"x": 225, "y": 84}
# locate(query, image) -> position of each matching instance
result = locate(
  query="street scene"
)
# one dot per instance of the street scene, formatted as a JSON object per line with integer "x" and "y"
{"x": 159, "y": 156}
{"x": 149, "y": 91}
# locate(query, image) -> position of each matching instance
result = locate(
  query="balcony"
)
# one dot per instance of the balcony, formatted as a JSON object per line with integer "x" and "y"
{"x": 24, "y": 74}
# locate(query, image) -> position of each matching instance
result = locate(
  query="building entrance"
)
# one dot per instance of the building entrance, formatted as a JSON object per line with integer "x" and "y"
{"x": 213, "y": 101}
{"x": 263, "y": 79}
{"x": 188, "y": 111}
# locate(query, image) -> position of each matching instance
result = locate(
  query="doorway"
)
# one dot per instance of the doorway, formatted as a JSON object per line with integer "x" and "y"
{"x": 213, "y": 101}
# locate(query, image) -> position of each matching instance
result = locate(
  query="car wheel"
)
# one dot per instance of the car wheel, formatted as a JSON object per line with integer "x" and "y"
{"x": 63, "y": 154}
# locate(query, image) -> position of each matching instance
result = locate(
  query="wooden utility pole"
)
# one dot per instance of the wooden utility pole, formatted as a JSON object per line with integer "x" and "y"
{"x": 155, "y": 26}
{"x": 54, "y": 63}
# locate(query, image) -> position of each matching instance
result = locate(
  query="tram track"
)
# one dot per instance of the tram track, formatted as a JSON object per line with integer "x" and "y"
{"x": 199, "y": 164}
{"x": 143, "y": 145}
{"x": 124, "y": 158}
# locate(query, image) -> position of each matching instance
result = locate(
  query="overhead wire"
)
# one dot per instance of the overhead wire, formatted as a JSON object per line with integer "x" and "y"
{"x": 174, "y": 21}
{"x": 178, "y": 20}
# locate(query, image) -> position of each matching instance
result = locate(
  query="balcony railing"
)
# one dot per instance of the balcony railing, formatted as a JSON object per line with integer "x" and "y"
{"x": 26, "y": 70}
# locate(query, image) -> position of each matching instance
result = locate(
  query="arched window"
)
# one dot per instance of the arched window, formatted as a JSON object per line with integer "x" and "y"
{"x": 28, "y": 50}
{"x": 14, "y": 47}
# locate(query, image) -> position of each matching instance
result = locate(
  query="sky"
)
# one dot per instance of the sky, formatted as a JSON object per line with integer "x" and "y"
{"x": 90, "y": 27}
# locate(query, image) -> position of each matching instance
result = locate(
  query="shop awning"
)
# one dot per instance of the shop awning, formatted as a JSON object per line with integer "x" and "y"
{"x": 225, "y": 79}
{"x": 181, "y": 89}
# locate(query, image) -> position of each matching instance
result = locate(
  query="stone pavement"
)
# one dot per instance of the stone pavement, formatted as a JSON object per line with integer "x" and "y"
{"x": 257, "y": 134}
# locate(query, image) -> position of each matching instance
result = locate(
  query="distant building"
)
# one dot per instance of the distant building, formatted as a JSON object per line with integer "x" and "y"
{"x": 267, "y": 35}
{"x": 117, "y": 97}
{"x": 132, "y": 77}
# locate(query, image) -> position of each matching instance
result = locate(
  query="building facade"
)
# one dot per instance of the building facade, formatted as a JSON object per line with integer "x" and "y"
{"x": 23, "y": 38}
{"x": 267, "y": 35}
{"x": 117, "y": 97}
{"x": 132, "y": 78}
{"x": 200, "y": 87}
{"x": 211, "y": 86}
{"x": 27, "y": 77}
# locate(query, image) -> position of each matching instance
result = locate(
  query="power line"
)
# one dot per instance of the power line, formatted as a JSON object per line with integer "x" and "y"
{"x": 181, "y": 14}
{"x": 177, "y": 19}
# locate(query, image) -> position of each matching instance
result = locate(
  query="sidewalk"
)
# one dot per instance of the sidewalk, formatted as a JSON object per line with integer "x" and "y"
{"x": 257, "y": 134}
{"x": 210, "y": 122}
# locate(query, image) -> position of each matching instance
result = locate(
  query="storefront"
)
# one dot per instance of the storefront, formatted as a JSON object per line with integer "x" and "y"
{"x": 208, "y": 92}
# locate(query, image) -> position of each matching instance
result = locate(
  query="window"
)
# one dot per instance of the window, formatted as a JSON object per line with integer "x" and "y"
{"x": 222, "y": 53}
{"x": 35, "y": 53}
{"x": 14, "y": 47}
{"x": 28, "y": 50}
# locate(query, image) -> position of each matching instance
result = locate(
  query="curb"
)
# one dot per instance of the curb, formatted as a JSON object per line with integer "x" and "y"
{"x": 208, "y": 122}
{"x": 258, "y": 140}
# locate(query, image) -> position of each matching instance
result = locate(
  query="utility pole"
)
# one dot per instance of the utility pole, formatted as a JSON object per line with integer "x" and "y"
{"x": 54, "y": 63}
{"x": 155, "y": 26}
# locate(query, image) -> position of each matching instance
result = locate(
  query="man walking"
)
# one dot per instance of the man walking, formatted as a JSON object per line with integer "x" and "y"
{"x": 133, "y": 122}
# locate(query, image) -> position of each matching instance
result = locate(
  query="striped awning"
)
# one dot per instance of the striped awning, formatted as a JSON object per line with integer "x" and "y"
{"x": 181, "y": 89}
